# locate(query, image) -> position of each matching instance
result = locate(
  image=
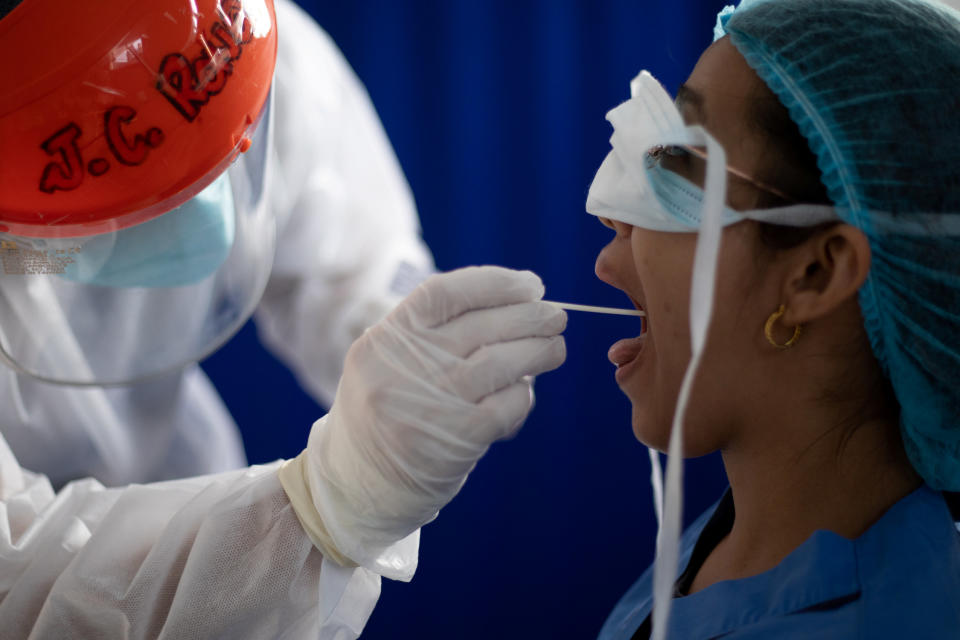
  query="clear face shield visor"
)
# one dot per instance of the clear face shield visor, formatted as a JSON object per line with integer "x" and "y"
{"x": 129, "y": 304}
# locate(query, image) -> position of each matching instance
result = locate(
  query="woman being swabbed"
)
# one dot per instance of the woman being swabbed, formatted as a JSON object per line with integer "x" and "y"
{"x": 791, "y": 227}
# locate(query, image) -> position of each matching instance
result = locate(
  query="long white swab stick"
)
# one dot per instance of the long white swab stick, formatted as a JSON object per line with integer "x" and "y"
{"x": 592, "y": 309}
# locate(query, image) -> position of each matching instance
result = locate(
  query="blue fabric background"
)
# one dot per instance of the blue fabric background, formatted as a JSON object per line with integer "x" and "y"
{"x": 496, "y": 111}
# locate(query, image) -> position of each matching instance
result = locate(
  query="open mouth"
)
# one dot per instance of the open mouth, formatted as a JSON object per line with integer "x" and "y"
{"x": 639, "y": 308}
{"x": 627, "y": 351}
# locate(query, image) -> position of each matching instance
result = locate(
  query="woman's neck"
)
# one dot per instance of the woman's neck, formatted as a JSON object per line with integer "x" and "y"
{"x": 785, "y": 488}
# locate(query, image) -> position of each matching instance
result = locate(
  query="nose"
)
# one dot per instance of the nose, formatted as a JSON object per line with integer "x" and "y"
{"x": 602, "y": 268}
{"x": 613, "y": 261}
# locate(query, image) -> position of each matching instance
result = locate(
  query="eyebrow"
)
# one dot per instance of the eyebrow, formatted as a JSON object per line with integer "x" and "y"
{"x": 687, "y": 97}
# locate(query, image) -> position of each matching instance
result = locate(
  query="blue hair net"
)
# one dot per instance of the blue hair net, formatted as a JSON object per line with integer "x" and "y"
{"x": 874, "y": 85}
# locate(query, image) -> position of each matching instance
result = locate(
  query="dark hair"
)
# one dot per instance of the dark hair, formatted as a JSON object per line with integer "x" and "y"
{"x": 794, "y": 170}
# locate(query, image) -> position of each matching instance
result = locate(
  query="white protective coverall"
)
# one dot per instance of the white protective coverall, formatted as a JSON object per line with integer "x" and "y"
{"x": 220, "y": 555}
{"x": 290, "y": 550}
{"x": 348, "y": 244}
{"x": 295, "y": 549}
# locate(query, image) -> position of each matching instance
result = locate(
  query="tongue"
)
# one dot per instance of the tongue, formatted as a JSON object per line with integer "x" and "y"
{"x": 623, "y": 351}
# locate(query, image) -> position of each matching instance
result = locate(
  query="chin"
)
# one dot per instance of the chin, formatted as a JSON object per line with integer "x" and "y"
{"x": 655, "y": 434}
{"x": 651, "y": 432}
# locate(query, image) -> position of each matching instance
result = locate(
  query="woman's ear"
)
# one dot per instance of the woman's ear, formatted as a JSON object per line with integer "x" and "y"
{"x": 826, "y": 271}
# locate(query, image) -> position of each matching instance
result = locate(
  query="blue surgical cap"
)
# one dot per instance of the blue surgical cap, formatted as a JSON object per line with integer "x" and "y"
{"x": 874, "y": 86}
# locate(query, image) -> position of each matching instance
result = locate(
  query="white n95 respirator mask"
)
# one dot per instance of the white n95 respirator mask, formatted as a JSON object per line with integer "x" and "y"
{"x": 656, "y": 174}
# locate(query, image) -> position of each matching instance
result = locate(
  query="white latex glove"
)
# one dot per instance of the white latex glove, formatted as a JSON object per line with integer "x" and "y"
{"x": 423, "y": 394}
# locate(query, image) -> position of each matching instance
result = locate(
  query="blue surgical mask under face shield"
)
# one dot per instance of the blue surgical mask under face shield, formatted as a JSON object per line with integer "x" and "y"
{"x": 179, "y": 248}
{"x": 126, "y": 305}
{"x": 641, "y": 185}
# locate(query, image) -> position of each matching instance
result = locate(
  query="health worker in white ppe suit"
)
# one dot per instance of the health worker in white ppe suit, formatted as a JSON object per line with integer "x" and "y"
{"x": 157, "y": 160}
{"x": 347, "y": 242}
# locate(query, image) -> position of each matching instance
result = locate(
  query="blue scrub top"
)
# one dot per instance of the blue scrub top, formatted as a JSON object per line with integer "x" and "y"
{"x": 900, "y": 579}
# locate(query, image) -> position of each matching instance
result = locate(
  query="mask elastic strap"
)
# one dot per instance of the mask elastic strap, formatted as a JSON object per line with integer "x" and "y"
{"x": 797, "y": 215}
{"x": 656, "y": 481}
{"x": 701, "y": 307}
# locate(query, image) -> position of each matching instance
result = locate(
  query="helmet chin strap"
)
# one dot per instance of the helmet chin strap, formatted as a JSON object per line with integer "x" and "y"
{"x": 701, "y": 308}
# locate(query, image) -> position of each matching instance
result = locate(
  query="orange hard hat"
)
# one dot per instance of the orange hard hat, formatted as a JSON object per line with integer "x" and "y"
{"x": 115, "y": 111}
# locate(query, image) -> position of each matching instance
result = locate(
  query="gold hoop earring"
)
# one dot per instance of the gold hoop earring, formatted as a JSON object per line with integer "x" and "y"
{"x": 768, "y": 330}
